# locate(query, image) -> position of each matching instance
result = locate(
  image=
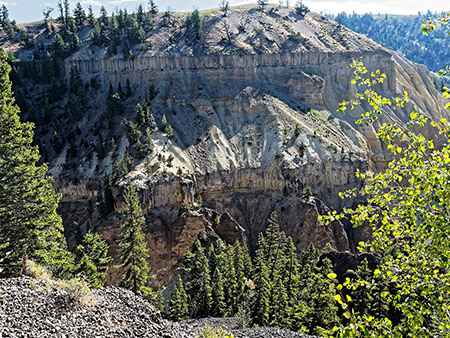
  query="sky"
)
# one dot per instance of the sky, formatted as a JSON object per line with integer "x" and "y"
{"x": 31, "y": 10}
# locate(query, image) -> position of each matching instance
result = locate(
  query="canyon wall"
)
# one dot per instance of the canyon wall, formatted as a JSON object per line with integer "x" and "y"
{"x": 333, "y": 67}
{"x": 233, "y": 118}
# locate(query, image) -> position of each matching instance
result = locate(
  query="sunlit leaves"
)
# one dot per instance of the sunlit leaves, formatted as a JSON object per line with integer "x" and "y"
{"x": 408, "y": 207}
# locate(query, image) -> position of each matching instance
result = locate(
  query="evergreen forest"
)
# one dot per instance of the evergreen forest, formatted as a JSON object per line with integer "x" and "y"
{"x": 402, "y": 33}
{"x": 277, "y": 287}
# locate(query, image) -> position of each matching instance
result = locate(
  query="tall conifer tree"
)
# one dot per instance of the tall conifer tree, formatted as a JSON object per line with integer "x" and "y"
{"x": 218, "y": 297}
{"x": 133, "y": 254}
{"x": 179, "y": 303}
{"x": 28, "y": 218}
{"x": 93, "y": 259}
{"x": 260, "y": 300}
{"x": 291, "y": 279}
{"x": 240, "y": 278}
{"x": 231, "y": 285}
{"x": 247, "y": 261}
{"x": 278, "y": 304}
{"x": 200, "y": 282}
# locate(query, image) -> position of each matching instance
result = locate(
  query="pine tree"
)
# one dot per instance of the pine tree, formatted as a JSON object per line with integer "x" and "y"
{"x": 28, "y": 217}
{"x": 133, "y": 253}
{"x": 169, "y": 131}
{"x": 230, "y": 281}
{"x": 128, "y": 89}
{"x": 91, "y": 16}
{"x": 308, "y": 260}
{"x": 66, "y": 11}
{"x": 197, "y": 24}
{"x": 273, "y": 245}
{"x": 61, "y": 17}
{"x": 93, "y": 259}
{"x": 103, "y": 19}
{"x": 278, "y": 304}
{"x": 158, "y": 302}
{"x": 260, "y": 301}
{"x": 114, "y": 35}
{"x": 272, "y": 253}
{"x": 212, "y": 259}
{"x": 46, "y": 14}
{"x": 153, "y": 9}
{"x": 240, "y": 278}
{"x": 164, "y": 123}
{"x": 152, "y": 92}
{"x": 318, "y": 297}
{"x": 127, "y": 53}
{"x": 179, "y": 303}
{"x": 303, "y": 311}
{"x": 199, "y": 286}
{"x": 366, "y": 297}
{"x": 140, "y": 115}
{"x": 247, "y": 261}
{"x": 291, "y": 279}
{"x": 218, "y": 296}
{"x": 79, "y": 15}
{"x": 59, "y": 47}
{"x": 120, "y": 91}
{"x": 140, "y": 15}
{"x": 132, "y": 29}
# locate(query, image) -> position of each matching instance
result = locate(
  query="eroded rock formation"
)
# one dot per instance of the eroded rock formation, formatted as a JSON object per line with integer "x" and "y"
{"x": 255, "y": 125}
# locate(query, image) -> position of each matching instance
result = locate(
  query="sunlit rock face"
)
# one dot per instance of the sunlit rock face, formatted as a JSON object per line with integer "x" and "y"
{"x": 255, "y": 126}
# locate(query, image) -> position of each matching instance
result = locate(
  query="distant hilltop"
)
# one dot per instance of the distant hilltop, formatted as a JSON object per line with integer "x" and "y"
{"x": 238, "y": 30}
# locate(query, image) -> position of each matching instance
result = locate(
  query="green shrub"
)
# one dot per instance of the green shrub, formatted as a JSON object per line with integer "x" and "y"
{"x": 209, "y": 332}
{"x": 38, "y": 271}
{"x": 76, "y": 288}
{"x": 307, "y": 193}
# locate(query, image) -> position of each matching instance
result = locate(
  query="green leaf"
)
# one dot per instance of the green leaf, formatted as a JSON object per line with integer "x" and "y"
{"x": 332, "y": 275}
{"x": 338, "y": 299}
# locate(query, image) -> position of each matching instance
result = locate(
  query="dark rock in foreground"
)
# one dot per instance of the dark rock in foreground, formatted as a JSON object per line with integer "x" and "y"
{"x": 39, "y": 308}
{"x": 234, "y": 326}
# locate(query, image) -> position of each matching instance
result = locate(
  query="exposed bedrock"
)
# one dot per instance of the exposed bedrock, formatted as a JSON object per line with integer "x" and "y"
{"x": 251, "y": 134}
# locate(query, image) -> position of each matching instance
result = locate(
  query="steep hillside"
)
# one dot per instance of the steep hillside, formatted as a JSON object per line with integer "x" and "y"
{"x": 243, "y": 117}
{"x": 402, "y": 33}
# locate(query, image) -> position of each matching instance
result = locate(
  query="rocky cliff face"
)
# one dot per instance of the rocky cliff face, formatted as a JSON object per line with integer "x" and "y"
{"x": 254, "y": 127}
{"x": 251, "y": 133}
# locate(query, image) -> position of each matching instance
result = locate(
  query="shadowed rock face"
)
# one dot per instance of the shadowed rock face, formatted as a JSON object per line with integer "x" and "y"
{"x": 252, "y": 130}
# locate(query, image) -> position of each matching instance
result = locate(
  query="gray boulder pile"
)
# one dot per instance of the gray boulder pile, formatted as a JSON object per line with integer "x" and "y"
{"x": 45, "y": 308}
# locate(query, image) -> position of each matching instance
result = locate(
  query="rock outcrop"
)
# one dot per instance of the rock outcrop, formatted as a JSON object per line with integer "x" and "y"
{"x": 255, "y": 126}
{"x": 252, "y": 132}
